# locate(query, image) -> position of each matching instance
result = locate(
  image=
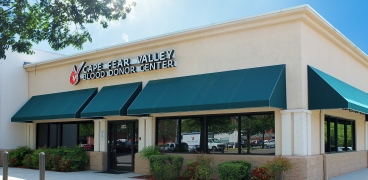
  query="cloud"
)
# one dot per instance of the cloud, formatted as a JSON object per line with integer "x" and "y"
{"x": 125, "y": 37}
{"x": 131, "y": 16}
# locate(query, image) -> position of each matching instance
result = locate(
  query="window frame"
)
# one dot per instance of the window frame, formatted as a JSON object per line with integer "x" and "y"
{"x": 336, "y": 122}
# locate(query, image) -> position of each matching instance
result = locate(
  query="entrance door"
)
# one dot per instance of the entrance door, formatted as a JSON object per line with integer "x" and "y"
{"x": 122, "y": 144}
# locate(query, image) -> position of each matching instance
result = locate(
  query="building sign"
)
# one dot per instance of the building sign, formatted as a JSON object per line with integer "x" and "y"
{"x": 143, "y": 63}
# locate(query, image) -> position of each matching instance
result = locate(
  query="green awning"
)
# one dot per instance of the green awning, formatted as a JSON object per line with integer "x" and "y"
{"x": 255, "y": 87}
{"x": 327, "y": 92}
{"x": 112, "y": 100}
{"x": 55, "y": 106}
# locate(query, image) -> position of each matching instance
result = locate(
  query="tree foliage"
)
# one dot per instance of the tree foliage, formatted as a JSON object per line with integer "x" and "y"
{"x": 59, "y": 22}
{"x": 86, "y": 130}
{"x": 167, "y": 130}
{"x": 254, "y": 124}
{"x": 216, "y": 125}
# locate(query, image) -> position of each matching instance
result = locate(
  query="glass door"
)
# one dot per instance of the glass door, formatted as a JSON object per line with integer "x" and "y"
{"x": 122, "y": 145}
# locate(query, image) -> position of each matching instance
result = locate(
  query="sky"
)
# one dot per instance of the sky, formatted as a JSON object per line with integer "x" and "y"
{"x": 151, "y": 18}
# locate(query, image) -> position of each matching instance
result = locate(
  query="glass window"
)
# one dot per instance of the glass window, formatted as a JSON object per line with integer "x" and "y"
{"x": 180, "y": 135}
{"x": 247, "y": 134}
{"x": 222, "y": 134}
{"x": 192, "y": 135}
{"x": 167, "y": 131}
{"x": 258, "y": 134}
{"x": 332, "y": 135}
{"x": 70, "y": 135}
{"x": 349, "y": 133}
{"x": 339, "y": 134}
{"x": 54, "y": 132}
{"x": 65, "y": 134}
{"x": 42, "y": 134}
{"x": 86, "y": 135}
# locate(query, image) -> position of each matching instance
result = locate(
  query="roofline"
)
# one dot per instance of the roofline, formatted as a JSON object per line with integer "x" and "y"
{"x": 303, "y": 12}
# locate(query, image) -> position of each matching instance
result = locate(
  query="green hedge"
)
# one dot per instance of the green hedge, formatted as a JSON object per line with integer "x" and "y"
{"x": 16, "y": 156}
{"x": 56, "y": 159}
{"x": 165, "y": 167}
{"x": 234, "y": 170}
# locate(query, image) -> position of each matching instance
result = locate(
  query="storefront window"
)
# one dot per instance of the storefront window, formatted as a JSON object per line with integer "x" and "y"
{"x": 179, "y": 135}
{"x": 42, "y": 135}
{"x": 65, "y": 134}
{"x": 86, "y": 136}
{"x": 258, "y": 134}
{"x": 227, "y": 134}
{"x": 222, "y": 133}
{"x": 192, "y": 134}
{"x": 339, "y": 136}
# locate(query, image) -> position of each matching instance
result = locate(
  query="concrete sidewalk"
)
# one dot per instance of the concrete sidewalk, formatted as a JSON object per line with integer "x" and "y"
{"x": 31, "y": 174}
{"x": 357, "y": 175}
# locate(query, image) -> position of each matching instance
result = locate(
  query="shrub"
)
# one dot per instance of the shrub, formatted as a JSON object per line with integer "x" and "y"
{"x": 279, "y": 166}
{"x": 77, "y": 157}
{"x": 261, "y": 173}
{"x": 234, "y": 170}
{"x": 202, "y": 168}
{"x": 149, "y": 151}
{"x": 165, "y": 167}
{"x": 58, "y": 159}
{"x": 27, "y": 161}
{"x": 16, "y": 156}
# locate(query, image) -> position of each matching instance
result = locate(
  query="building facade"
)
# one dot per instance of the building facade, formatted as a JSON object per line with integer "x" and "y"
{"x": 290, "y": 68}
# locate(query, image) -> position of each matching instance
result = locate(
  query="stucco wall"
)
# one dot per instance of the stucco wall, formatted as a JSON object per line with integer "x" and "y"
{"x": 316, "y": 132}
{"x": 13, "y": 95}
{"x": 237, "y": 49}
{"x": 327, "y": 55}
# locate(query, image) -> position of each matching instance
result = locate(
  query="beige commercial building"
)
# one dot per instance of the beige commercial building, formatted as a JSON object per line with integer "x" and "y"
{"x": 290, "y": 66}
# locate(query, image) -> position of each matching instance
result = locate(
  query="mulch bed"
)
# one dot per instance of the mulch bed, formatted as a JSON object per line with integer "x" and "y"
{"x": 150, "y": 177}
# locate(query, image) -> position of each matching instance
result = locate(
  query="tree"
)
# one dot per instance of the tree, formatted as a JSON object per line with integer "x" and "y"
{"x": 167, "y": 130}
{"x": 264, "y": 124}
{"x": 249, "y": 127}
{"x": 256, "y": 124}
{"x": 216, "y": 125}
{"x": 86, "y": 130}
{"x": 60, "y": 22}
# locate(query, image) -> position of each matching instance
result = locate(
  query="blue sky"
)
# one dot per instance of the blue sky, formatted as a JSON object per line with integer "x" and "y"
{"x": 157, "y": 17}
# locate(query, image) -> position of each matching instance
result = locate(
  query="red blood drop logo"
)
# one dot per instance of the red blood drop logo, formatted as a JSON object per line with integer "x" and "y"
{"x": 74, "y": 75}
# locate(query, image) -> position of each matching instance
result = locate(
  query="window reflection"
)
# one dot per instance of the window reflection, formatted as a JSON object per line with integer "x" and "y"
{"x": 339, "y": 134}
{"x": 223, "y": 134}
{"x": 65, "y": 134}
{"x": 258, "y": 134}
{"x": 247, "y": 134}
{"x": 191, "y": 135}
{"x": 86, "y": 136}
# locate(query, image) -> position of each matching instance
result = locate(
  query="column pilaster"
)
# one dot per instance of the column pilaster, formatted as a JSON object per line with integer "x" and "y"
{"x": 296, "y": 132}
{"x": 100, "y": 135}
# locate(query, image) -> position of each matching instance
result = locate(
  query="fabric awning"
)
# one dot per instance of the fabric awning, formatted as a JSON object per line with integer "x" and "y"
{"x": 112, "y": 100}
{"x": 55, "y": 106}
{"x": 327, "y": 92}
{"x": 255, "y": 87}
